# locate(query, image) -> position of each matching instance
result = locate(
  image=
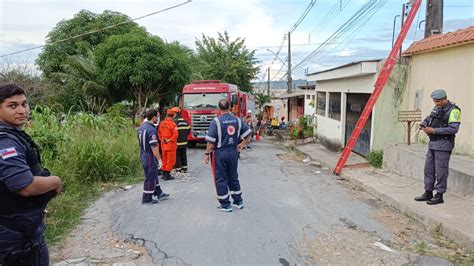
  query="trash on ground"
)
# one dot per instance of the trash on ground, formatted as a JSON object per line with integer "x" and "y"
{"x": 306, "y": 160}
{"x": 127, "y": 187}
{"x": 382, "y": 246}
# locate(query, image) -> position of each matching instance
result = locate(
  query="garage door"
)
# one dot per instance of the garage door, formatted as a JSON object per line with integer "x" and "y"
{"x": 355, "y": 105}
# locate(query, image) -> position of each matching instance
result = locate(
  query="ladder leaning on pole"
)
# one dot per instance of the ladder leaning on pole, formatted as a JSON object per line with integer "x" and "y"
{"x": 378, "y": 87}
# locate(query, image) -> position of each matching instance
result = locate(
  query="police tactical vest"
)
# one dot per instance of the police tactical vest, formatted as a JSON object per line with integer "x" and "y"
{"x": 12, "y": 203}
{"x": 439, "y": 117}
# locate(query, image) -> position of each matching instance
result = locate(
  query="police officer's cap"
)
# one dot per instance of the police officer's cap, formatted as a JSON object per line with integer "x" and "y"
{"x": 170, "y": 111}
{"x": 438, "y": 94}
{"x": 176, "y": 109}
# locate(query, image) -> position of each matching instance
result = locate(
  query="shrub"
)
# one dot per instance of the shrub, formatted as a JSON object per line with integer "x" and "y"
{"x": 85, "y": 150}
{"x": 375, "y": 158}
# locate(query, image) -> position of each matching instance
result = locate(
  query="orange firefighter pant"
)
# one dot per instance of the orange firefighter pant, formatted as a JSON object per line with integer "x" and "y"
{"x": 169, "y": 160}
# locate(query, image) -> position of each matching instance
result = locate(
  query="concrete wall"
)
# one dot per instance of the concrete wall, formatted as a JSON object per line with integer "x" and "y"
{"x": 386, "y": 127}
{"x": 308, "y": 109}
{"x": 451, "y": 69}
{"x": 330, "y": 129}
{"x": 409, "y": 161}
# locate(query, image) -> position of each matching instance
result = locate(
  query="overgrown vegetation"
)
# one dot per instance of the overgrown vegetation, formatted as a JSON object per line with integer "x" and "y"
{"x": 302, "y": 129}
{"x": 86, "y": 151}
{"x": 375, "y": 158}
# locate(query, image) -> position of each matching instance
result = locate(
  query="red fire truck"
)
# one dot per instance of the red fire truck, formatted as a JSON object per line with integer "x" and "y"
{"x": 199, "y": 105}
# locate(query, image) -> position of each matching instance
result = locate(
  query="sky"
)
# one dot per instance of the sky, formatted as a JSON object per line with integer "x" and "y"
{"x": 263, "y": 24}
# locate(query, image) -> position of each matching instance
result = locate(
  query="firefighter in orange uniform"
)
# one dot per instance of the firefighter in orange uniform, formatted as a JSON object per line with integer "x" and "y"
{"x": 168, "y": 134}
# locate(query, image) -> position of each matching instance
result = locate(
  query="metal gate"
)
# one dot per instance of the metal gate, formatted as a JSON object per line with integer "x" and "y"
{"x": 355, "y": 105}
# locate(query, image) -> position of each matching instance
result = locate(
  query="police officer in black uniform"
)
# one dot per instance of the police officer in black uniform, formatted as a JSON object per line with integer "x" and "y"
{"x": 25, "y": 186}
{"x": 441, "y": 126}
{"x": 223, "y": 141}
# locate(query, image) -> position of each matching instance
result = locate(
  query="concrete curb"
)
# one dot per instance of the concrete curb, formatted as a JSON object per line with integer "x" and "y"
{"x": 451, "y": 233}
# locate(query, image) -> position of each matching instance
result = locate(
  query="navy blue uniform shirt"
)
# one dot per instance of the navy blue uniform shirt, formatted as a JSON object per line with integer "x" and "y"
{"x": 15, "y": 172}
{"x": 147, "y": 137}
{"x": 226, "y": 130}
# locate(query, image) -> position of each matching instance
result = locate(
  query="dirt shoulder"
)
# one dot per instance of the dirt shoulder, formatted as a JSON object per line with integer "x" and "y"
{"x": 94, "y": 241}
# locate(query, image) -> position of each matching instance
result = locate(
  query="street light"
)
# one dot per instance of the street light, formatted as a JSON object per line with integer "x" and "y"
{"x": 284, "y": 63}
{"x": 393, "y": 30}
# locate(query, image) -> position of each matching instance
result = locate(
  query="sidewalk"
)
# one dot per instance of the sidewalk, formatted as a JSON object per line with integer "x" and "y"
{"x": 456, "y": 215}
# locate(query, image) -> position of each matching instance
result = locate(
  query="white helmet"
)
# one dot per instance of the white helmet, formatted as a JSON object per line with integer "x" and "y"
{"x": 249, "y": 111}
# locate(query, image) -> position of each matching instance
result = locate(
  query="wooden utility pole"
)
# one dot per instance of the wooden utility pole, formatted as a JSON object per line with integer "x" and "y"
{"x": 434, "y": 17}
{"x": 268, "y": 85}
{"x": 290, "y": 81}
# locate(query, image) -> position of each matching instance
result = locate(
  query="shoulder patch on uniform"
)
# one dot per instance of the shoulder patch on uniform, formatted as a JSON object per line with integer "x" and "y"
{"x": 8, "y": 153}
{"x": 455, "y": 116}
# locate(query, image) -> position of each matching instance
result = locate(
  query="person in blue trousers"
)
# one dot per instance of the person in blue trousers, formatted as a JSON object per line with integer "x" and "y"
{"x": 222, "y": 148}
{"x": 441, "y": 126}
{"x": 149, "y": 155}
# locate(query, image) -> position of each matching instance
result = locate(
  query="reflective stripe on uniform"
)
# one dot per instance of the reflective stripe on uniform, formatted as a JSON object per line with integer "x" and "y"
{"x": 239, "y": 127}
{"x": 148, "y": 191}
{"x": 186, "y": 127}
{"x": 219, "y": 132}
{"x": 153, "y": 141}
{"x": 236, "y": 192}
{"x": 246, "y": 133}
{"x": 144, "y": 139}
{"x": 182, "y": 143}
{"x": 210, "y": 139}
{"x": 223, "y": 197}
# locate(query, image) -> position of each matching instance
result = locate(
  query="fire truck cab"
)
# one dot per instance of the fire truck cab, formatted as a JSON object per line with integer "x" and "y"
{"x": 199, "y": 105}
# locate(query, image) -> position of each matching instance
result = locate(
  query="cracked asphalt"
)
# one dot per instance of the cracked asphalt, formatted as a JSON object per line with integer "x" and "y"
{"x": 294, "y": 214}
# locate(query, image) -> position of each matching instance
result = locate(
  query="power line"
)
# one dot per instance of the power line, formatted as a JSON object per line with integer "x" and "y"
{"x": 303, "y": 16}
{"x": 332, "y": 13}
{"x": 97, "y": 30}
{"x": 363, "y": 14}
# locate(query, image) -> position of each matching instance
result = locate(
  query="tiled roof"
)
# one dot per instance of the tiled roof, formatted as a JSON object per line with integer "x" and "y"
{"x": 441, "y": 41}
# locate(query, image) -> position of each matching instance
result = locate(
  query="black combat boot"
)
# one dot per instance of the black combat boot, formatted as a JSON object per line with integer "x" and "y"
{"x": 425, "y": 197}
{"x": 437, "y": 199}
{"x": 167, "y": 176}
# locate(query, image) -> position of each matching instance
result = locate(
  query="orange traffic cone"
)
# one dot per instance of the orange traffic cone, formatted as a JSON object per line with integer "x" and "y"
{"x": 257, "y": 136}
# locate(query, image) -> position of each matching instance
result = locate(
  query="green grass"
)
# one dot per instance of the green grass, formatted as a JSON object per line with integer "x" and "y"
{"x": 90, "y": 153}
{"x": 375, "y": 158}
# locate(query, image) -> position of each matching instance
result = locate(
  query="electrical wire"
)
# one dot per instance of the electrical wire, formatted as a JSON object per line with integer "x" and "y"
{"x": 303, "y": 16}
{"x": 97, "y": 30}
{"x": 352, "y": 25}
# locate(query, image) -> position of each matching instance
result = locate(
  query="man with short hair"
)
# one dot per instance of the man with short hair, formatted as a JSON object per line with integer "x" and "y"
{"x": 223, "y": 147}
{"x": 149, "y": 156}
{"x": 441, "y": 126}
{"x": 168, "y": 134}
{"x": 25, "y": 186}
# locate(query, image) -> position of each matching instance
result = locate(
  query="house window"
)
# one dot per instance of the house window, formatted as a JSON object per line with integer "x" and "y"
{"x": 335, "y": 105}
{"x": 321, "y": 103}
{"x": 308, "y": 97}
{"x": 312, "y": 97}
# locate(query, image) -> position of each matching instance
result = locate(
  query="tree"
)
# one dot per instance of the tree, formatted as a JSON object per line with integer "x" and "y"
{"x": 142, "y": 68}
{"x": 226, "y": 60}
{"x": 53, "y": 55}
{"x": 261, "y": 99}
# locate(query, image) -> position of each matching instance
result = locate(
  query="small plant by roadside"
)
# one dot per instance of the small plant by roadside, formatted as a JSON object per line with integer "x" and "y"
{"x": 301, "y": 129}
{"x": 375, "y": 158}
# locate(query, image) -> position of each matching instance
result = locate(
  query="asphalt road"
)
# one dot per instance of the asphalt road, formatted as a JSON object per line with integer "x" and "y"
{"x": 294, "y": 214}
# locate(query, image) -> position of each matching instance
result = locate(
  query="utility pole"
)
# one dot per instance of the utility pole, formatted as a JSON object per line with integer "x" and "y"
{"x": 268, "y": 85}
{"x": 434, "y": 17}
{"x": 290, "y": 82}
{"x": 403, "y": 21}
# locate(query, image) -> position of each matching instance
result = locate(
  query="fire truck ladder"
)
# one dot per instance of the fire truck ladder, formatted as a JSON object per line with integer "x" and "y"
{"x": 378, "y": 87}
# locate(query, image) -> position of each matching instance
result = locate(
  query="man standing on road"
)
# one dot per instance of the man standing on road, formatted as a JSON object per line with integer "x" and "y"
{"x": 149, "y": 156}
{"x": 168, "y": 134}
{"x": 222, "y": 146}
{"x": 183, "y": 131}
{"x": 25, "y": 186}
{"x": 441, "y": 126}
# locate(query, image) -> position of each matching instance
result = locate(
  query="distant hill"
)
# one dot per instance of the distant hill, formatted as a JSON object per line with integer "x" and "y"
{"x": 281, "y": 85}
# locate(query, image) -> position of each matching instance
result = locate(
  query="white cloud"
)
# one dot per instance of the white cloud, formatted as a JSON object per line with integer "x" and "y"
{"x": 346, "y": 52}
